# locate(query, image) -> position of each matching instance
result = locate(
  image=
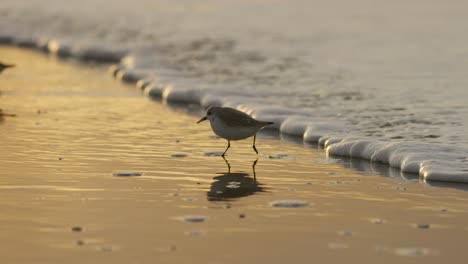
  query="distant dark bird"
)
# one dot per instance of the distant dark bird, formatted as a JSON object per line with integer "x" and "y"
{"x": 3, "y": 66}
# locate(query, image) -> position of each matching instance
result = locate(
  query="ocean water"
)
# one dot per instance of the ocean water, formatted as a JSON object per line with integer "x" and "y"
{"x": 378, "y": 80}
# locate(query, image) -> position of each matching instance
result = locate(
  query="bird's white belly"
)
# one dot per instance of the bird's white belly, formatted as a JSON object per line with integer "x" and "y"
{"x": 232, "y": 133}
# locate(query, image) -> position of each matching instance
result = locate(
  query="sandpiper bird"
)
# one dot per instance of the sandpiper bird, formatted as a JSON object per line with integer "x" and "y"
{"x": 232, "y": 124}
{"x": 3, "y": 66}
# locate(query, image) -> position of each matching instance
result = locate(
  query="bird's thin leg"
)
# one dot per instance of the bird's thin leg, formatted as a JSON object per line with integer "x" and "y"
{"x": 229, "y": 145}
{"x": 253, "y": 146}
{"x": 253, "y": 169}
{"x": 227, "y": 163}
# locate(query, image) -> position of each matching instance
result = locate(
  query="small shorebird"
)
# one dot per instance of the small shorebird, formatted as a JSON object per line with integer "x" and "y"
{"x": 232, "y": 124}
{"x": 3, "y": 66}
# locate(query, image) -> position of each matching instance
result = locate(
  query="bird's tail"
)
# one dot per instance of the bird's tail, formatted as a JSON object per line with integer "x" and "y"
{"x": 265, "y": 123}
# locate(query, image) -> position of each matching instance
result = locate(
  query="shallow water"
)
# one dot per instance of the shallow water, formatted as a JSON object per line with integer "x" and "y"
{"x": 390, "y": 70}
{"x": 379, "y": 70}
{"x": 75, "y": 128}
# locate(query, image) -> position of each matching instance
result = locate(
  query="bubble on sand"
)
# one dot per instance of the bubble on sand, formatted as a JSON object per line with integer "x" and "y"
{"x": 338, "y": 246}
{"x": 192, "y": 218}
{"x": 412, "y": 252}
{"x": 345, "y": 233}
{"x": 278, "y": 156}
{"x": 77, "y": 229}
{"x": 126, "y": 174}
{"x": 399, "y": 188}
{"x": 167, "y": 249}
{"x": 195, "y": 233}
{"x": 213, "y": 153}
{"x": 107, "y": 248}
{"x": 376, "y": 221}
{"x": 289, "y": 203}
{"x": 423, "y": 226}
{"x": 179, "y": 155}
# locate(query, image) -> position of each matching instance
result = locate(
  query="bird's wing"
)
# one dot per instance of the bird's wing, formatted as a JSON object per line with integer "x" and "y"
{"x": 233, "y": 117}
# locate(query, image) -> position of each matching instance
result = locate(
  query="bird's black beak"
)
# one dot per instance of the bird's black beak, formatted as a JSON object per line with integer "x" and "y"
{"x": 201, "y": 120}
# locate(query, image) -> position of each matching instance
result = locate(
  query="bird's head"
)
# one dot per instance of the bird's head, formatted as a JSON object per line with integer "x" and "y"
{"x": 211, "y": 113}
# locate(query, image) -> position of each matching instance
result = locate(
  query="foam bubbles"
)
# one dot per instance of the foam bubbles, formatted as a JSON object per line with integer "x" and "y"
{"x": 130, "y": 76}
{"x": 213, "y": 153}
{"x": 179, "y": 155}
{"x": 278, "y": 156}
{"x": 126, "y": 174}
{"x": 431, "y": 162}
{"x": 319, "y": 129}
{"x": 289, "y": 203}
{"x": 192, "y": 218}
{"x": 412, "y": 252}
{"x": 294, "y": 126}
{"x": 183, "y": 96}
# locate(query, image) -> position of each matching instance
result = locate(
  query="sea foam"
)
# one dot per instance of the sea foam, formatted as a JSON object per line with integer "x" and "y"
{"x": 430, "y": 161}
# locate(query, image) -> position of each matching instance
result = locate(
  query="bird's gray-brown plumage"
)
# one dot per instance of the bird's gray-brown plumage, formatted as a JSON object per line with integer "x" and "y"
{"x": 235, "y": 118}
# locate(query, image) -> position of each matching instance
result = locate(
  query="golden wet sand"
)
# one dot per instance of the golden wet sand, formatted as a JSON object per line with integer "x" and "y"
{"x": 75, "y": 127}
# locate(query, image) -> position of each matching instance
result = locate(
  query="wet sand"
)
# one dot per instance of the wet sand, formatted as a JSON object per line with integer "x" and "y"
{"x": 76, "y": 129}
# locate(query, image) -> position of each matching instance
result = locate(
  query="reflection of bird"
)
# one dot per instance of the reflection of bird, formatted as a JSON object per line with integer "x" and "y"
{"x": 4, "y": 66}
{"x": 229, "y": 185}
{"x": 232, "y": 124}
{"x": 3, "y": 114}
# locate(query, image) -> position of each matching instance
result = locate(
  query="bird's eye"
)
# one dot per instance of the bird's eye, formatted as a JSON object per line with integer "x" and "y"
{"x": 209, "y": 113}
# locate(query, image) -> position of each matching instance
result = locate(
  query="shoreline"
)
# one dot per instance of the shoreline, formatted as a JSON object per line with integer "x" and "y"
{"x": 432, "y": 162}
{"x": 75, "y": 129}
{"x": 351, "y": 155}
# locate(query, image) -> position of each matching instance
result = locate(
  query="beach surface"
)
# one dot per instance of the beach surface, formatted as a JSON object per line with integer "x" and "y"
{"x": 92, "y": 171}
